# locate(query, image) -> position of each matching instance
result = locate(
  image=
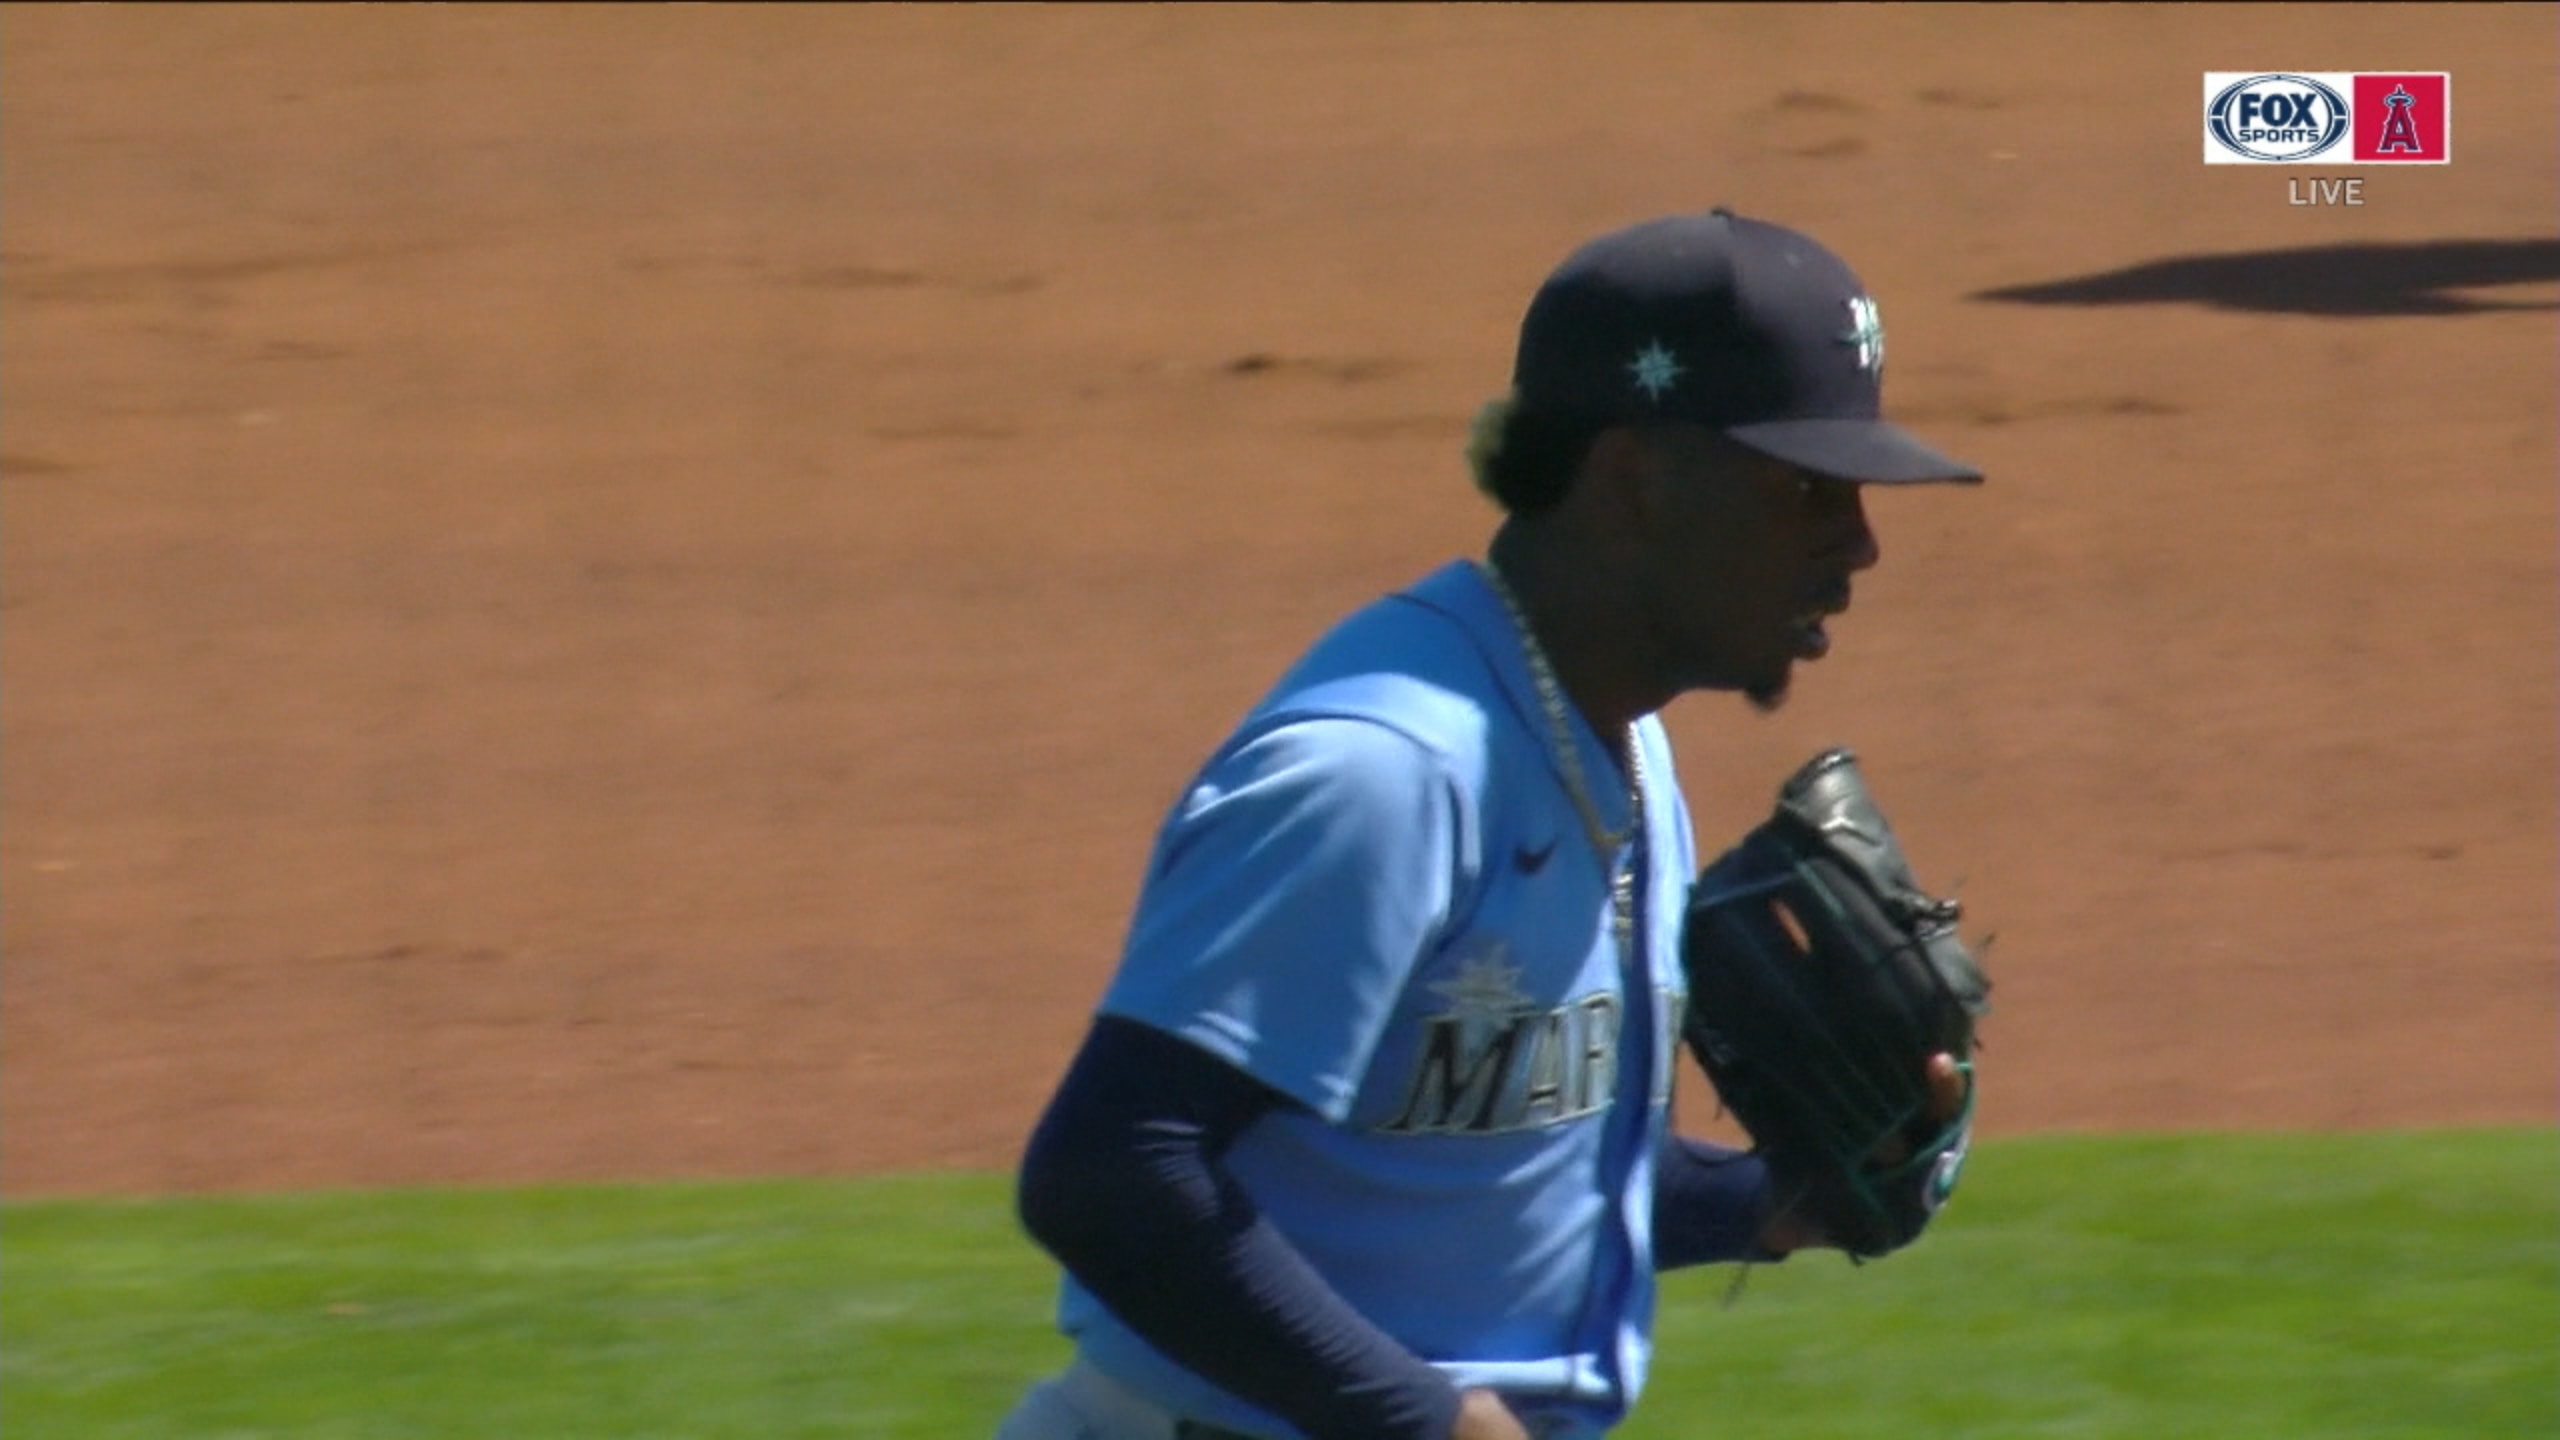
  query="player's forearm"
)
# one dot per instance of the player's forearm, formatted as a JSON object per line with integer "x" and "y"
{"x": 1121, "y": 1184}
{"x": 1710, "y": 1204}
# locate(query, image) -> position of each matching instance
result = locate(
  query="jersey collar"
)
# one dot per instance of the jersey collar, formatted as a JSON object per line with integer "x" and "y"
{"x": 1460, "y": 591}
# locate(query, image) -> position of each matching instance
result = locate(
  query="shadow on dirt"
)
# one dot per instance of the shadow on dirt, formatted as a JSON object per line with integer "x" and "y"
{"x": 2421, "y": 278}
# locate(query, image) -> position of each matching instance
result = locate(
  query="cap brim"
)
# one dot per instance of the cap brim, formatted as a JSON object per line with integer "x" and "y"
{"x": 1874, "y": 452}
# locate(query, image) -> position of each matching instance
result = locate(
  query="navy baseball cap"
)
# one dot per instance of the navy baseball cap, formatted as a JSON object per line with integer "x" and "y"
{"x": 1739, "y": 324}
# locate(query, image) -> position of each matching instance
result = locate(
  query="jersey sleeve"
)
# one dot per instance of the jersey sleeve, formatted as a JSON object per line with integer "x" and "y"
{"x": 1293, "y": 890}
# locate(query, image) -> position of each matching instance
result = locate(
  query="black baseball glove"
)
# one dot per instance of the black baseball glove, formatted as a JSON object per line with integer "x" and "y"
{"x": 1822, "y": 979}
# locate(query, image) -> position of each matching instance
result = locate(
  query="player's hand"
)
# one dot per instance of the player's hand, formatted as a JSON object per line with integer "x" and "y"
{"x": 1483, "y": 1416}
{"x": 1946, "y": 1101}
{"x": 1788, "y": 1231}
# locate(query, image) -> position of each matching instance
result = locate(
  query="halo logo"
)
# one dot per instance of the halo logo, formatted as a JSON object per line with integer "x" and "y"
{"x": 2272, "y": 119}
{"x": 2403, "y": 119}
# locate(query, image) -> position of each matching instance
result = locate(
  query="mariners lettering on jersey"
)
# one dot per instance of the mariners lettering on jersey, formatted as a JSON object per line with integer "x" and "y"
{"x": 1495, "y": 1062}
{"x": 1492, "y": 1062}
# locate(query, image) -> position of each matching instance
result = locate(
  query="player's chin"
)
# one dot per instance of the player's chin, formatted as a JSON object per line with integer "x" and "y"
{"x": 1768, "y": 690}
{"x": 1767, "y": 698}
{"x": 1805, "y": 639}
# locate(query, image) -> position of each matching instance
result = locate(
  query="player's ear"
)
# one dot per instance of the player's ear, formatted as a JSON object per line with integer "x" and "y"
{"x": 1617, "y": 478}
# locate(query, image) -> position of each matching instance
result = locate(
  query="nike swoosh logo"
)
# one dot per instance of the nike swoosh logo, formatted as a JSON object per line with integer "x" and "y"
{"x": 1532, "y": 861}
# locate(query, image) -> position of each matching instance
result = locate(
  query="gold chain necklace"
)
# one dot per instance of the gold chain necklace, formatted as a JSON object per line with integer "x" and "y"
{"x": 1609, "y": 843}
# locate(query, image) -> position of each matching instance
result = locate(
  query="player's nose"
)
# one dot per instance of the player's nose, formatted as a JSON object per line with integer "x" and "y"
{"x": 1861, "y": 547}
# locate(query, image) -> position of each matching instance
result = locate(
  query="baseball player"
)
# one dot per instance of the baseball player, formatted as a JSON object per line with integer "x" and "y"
{"x": 1370, "y": 1136}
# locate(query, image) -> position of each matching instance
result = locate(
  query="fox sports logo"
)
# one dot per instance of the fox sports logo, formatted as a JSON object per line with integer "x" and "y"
{"x": 2277, "y": 117}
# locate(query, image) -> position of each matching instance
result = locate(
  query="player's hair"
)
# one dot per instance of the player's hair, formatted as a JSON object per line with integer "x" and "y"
{"x": 1525, "y": 460}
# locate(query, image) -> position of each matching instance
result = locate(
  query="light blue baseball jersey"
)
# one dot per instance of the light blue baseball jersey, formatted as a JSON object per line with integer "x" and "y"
{"x": 1378, "y": 898}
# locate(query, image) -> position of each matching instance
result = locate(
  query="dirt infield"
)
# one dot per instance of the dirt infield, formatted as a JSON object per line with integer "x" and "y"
{"x": 617, "y": 593}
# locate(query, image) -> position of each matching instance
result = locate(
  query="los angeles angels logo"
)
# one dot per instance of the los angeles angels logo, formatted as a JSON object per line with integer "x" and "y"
{"x": 2404, "y": 119}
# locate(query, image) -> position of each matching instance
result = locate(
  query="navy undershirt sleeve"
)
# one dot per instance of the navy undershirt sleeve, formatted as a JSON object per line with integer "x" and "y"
{"x": 1709, "y": 1203}
{"x": 1121, "y": 1184}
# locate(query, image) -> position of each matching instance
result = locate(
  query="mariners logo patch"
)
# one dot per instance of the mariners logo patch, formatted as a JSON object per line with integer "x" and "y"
{"x": 1655, "y": 370}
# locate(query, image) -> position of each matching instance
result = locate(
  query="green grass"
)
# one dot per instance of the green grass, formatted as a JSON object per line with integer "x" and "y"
{"x": 2258, "y": 1287}
{"x": 2239, "y": 1288}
